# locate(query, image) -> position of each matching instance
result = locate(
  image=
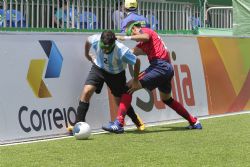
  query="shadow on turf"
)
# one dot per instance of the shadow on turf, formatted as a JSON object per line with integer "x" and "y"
{"x": 163, "y": 129}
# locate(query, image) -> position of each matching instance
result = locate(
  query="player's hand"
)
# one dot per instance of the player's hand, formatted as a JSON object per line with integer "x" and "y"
{"x": 135, "y": 85}
{"x": 121, "y": 38}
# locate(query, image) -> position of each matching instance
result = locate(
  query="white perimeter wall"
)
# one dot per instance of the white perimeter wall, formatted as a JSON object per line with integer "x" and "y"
{"x": 50, "y": 116}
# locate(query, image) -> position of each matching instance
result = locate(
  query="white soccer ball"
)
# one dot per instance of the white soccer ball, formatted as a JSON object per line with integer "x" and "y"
{"x": 81, "y": 131}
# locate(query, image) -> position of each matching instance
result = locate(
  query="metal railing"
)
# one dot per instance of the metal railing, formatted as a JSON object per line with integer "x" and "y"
{"x": 168, "y": 15}
{"x": 219, "y": 17}
{"x": 95, "y": 14}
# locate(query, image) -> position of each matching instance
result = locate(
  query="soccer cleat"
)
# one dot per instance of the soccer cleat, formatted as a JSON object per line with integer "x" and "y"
{"x": 70, "y": 129}
{"x": 197, "y": 125}
{"x": 139, "y": 124}
{"x": 114, "y": 127}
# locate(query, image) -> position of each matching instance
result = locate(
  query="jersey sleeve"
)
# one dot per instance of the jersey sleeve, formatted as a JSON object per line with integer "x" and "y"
{"x": 129, "y": 58}
{"x": 125, "y": 54}
{"x": 94, "y": 40}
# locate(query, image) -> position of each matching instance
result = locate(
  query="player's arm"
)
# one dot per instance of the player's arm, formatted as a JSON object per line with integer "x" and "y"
{"x": 144, "y": 37}
{"x": 140, "y": 37}
{"x": 137, "y": 51}
{"x": 135, "y": 83}
{"x": 130, "y": 58}
{"x": 87, "y": 49}
{"x": 137, "y": 67}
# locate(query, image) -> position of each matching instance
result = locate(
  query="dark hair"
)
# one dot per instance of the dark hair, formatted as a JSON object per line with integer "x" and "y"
{"x": 108, "y": 37}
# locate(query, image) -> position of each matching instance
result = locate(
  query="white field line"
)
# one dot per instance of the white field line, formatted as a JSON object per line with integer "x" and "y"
{"x": 131, "y": 127}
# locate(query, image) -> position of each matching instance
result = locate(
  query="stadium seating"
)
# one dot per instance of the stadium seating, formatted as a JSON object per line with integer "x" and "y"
{"x": 1, "y": 17}
{"x": 16, "y": 21}
{"x": 86, "y": 20}
{"x": 152, "y": 20}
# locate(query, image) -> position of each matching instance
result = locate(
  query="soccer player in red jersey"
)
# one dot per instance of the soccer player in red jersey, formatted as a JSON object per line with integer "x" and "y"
{"x": 158, "y": 75}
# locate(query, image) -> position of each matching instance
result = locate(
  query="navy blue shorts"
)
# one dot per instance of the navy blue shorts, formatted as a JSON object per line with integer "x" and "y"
{"x": 158, "y": 75}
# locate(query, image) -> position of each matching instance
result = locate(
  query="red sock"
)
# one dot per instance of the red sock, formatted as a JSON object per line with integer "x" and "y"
{"x": 179, "y": 109}
{"x": 123, "y": 107}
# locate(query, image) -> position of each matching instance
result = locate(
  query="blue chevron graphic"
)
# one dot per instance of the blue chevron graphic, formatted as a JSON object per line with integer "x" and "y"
{"x": 55, "y": 59}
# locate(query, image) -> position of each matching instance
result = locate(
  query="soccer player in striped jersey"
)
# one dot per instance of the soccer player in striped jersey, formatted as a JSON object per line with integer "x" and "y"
{"x": 109, "y": 64}
{"x": 158, "y": 75}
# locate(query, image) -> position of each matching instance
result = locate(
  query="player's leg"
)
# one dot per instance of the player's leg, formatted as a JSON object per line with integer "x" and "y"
{"x": 125, "y": 108}
{"x": 119, "y": 91}
{"x": 83, "y": 106}
{"x": 165, "y": 93}
{"x": 179, "y": 109}
{"x": 160, "y": 74}
{"x": 116, "y": 84}
{"x": 93, "y": 83}
{"x": 136, "y": 119}
{"x": 126, "y": 98}
{"x": 130, "y": 112}
{"x": 116, "y": 126}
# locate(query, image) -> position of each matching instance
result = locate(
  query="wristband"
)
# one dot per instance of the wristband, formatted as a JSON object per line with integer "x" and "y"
{"x": 127, "y": 37}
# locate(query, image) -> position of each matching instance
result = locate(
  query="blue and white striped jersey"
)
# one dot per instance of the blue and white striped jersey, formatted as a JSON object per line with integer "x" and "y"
{"x": 116, "y": 61}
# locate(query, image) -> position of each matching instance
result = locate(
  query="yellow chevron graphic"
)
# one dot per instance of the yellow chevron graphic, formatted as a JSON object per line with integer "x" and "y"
{"x": 34, "y": 78}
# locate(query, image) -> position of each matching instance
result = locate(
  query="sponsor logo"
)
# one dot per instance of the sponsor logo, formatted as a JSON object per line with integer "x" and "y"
{"x": 36, "y": 68}
{"x": 182, "y": 89}
{"x": 45, "y": 119}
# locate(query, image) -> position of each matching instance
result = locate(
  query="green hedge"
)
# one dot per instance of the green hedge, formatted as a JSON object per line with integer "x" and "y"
{"x": 210, "y": 2}
{"x": 184, "y": 32}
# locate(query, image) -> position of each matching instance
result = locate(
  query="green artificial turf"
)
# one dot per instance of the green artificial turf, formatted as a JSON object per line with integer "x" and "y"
{"x": 224, "y": 142}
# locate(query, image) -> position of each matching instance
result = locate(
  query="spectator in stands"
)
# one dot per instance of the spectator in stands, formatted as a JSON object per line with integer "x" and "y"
{"x": 61, "y": 15}
{"x": 18, "y": 20}
{"x": 14, "y": 18}
{"x": 118, "y": 15}
{"x": 87, "y": 20}
{"x": 131, "y": 15}
{"x": 195, "y": 21}
{"x": 59, "y": 19}
{"x": 1, "y": 17}
{"x": 152, "y": 20}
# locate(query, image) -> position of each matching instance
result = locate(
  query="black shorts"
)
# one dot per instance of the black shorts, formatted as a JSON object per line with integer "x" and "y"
{"x": 115, "y": 82}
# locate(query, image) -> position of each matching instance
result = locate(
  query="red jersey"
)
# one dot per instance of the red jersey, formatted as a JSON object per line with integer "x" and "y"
{"x": 155, "y": 47}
